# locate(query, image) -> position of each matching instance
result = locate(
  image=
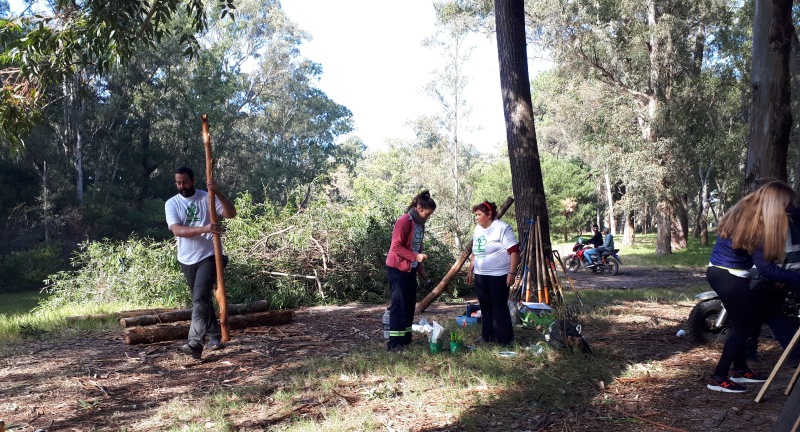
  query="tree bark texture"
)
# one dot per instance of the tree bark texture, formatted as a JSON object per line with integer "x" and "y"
{"x": 173, "y": 331}
{"x": 770, "y": 114}
{"x": 680, "y": 223}
{"x": 526, "y": 172}
{"x": 186, "y": 314}
{"x": 455, "y": 268}
{"x": 629, "y": 233}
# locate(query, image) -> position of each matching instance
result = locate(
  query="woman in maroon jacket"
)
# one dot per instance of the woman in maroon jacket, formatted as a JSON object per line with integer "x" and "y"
{"x": 403, "y": 263}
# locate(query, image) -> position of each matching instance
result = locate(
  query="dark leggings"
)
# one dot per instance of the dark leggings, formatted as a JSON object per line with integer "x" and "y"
{"x": 492, "y": 294}
{"x": 403, "y": 289}
{"x": 746, "y": 309}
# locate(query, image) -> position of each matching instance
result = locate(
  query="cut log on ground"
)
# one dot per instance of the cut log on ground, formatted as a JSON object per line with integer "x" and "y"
{"x": 165, "y": 332}
{"x": 445, "y": 282}
{"x": 176, "y": 315}
{"x": 118, "y": 315}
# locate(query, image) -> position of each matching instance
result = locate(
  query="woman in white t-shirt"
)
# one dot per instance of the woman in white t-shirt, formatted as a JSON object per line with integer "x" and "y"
{"x": 493, "y": 264}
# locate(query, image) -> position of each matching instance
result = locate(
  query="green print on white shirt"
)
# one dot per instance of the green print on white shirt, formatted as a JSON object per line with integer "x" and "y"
{"x": 480, "y": 245}
{"x": 192, "y": 214}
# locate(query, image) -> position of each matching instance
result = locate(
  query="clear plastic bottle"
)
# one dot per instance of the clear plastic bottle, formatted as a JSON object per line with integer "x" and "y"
{"x": 386, "y": 324}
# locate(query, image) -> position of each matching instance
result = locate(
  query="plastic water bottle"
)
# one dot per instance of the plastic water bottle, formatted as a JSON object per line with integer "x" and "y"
{"x": 386, "y": 324}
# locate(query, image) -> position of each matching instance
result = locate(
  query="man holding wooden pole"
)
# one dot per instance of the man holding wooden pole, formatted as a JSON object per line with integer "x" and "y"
{"x": 189, "y": 219}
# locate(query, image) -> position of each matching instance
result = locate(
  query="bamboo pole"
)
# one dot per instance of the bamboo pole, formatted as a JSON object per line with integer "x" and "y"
{"x": 540, "y": 261}
{"x": 456, "y": 267}
{"x": 529, "y": 261}
{"x": 219, "y": 293}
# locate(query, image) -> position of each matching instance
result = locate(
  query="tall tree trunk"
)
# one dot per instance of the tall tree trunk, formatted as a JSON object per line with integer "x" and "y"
{"x": 81, "y": 109}
{"x": 794, "y": 67}
{"x": 526, "y": 171}
{"x": 663, "y": 208}
{"x": 45, "y": 204}
{"x": 770, "y": 111}
{"x": 680, "y": 223}
{"x": 705, "y": 206}
{"x": 612, "y": 224}
{"x": 629, "y": 236}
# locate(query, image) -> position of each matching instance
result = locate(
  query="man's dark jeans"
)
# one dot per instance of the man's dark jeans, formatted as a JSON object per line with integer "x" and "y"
{"x": 201, "y": 278}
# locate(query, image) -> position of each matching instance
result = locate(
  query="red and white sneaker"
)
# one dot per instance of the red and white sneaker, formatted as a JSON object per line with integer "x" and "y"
{"x": 747, "y": 377}
{"x": 724, "y": 385}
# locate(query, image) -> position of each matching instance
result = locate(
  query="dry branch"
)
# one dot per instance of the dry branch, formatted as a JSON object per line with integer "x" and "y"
{"x": 165, "y": 332}
{"x": 445, "y": 282}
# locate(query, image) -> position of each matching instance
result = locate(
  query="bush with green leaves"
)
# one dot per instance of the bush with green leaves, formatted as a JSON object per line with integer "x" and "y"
{"x": 332, "y": 251}
{"x": 137, "y": 271}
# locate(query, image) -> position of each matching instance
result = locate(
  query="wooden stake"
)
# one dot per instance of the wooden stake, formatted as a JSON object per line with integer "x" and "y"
{"x": 569, "y": 279}
{"x": 222, "y": 299}
{"x": 778, "y": 365}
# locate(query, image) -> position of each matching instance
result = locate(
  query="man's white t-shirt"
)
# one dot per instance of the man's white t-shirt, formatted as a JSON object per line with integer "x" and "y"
{"x": 490, "y": 246}
{"x": 192, "y": 211}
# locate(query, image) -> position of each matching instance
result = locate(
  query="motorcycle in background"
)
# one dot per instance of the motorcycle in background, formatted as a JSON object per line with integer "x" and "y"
{"x": 608, "y": 262}
{"x": 708, "y": 321}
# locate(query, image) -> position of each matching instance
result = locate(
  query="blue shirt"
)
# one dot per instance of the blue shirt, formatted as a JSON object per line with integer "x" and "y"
{"x": 724, "y": 255}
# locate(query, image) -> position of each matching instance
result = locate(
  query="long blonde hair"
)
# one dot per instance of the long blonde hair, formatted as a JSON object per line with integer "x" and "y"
{"x": 760, "y": 219}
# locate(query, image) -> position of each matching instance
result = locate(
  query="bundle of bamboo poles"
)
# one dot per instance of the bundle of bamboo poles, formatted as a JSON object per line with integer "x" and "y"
{"x": 537, "y": 280}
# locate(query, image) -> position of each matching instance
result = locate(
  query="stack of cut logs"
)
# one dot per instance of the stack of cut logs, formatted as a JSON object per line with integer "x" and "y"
{"x": 156, "y": 325}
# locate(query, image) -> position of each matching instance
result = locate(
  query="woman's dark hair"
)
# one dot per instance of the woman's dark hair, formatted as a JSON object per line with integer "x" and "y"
{"x": 185, "y": 170}
{"x": 424, "y": 200}
{"x": 487, "y": 207}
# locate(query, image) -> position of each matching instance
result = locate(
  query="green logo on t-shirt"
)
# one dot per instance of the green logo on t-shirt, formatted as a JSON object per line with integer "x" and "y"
{"x": 192, "y": 213}
{"x": 480, "y": 246}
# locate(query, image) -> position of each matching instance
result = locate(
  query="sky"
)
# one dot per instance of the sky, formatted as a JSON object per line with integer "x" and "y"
{"x": 374, "y": 64}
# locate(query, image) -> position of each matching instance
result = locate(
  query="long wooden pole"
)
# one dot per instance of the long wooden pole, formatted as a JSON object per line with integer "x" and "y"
{"x": 222, "y": 299}
{"x": 456, "y": 267}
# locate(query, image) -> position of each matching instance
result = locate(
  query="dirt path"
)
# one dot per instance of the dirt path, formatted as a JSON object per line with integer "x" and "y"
{"x": 639, "y": 277}
{"x": 98, "y": 383}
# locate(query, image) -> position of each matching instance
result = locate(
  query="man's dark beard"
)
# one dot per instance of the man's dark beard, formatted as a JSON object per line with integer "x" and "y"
{"x": 187, "y": 192}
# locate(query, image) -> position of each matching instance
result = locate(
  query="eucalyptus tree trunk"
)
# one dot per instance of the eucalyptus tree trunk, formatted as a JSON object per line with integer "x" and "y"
{"x": 612, "y": 224}
{"x": 656, "y": 96}
{"x": 526, "y": 171}
{"x": 770, "y": 110}
{"x": 705, "y": 206}
{"x": 680, "y": 222}
{"x": 629, "y": 232}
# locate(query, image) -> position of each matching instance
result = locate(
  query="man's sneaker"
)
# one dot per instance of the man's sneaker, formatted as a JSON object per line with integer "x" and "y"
{"x": 725, "y": 385}
{"x": 215, "y": 345}
{"x": 190, "y": 351}
{"x": 747, "y": 377}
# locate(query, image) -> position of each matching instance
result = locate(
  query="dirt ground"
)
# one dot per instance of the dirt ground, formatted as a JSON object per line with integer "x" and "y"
{"x": 81, "y": 384}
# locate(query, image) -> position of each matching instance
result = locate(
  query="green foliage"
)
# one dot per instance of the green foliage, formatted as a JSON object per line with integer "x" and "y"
{"x": 27, "y": 270}
{"x": 570, "y": 195}
{"x": 344, "y": 244}
{"x": 137, "y": 271}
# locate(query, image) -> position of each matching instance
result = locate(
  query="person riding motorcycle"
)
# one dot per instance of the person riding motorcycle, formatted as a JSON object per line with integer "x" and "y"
{"x": 608, "y": 245}
{"x": 597, "y": 238}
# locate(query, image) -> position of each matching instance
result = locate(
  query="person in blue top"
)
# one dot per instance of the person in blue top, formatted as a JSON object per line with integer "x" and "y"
{"x": 608, "y": 245}
{"x": 745, "y": 239}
